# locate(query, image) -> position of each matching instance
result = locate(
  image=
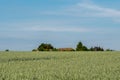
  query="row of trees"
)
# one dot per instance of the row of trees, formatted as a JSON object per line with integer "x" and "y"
{"x": 79, "y": 47}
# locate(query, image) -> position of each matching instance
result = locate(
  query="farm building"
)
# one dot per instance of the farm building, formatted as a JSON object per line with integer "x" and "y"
{"x": 66, "y": 49}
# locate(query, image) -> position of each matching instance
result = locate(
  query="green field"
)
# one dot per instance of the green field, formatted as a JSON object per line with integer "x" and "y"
{"x": 59, "y": 65}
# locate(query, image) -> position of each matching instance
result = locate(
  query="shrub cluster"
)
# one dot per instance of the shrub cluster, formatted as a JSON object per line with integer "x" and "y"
{"x": 79, "y": 47}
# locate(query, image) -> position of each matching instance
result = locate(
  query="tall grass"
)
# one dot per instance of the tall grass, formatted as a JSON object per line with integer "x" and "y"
{"x": 59, "y": 65}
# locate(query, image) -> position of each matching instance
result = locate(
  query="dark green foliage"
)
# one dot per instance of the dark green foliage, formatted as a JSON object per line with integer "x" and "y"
{"x": 81, "y": 47}
{"x": 45, "y": 47}
{"x": 7, "y": 50}
{"x": 109, "y": 50}
{"x": 96, "y": 49}
{"x": 85, "y": 48}
{"x": 91, "y": 49}
{"x": 34, "y": 50}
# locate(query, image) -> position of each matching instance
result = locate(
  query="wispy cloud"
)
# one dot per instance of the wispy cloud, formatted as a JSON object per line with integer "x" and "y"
{"x": 86, "y": 9}
{"x": 100, "y": 11}
{"x": 59, "y": 29}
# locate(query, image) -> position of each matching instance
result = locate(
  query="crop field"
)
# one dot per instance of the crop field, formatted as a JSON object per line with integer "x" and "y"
{"x": 59, "y": 65}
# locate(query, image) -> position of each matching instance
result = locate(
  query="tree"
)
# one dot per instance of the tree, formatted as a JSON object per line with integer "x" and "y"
{"x": 34, "y": 50}
{"x": 81, "y": 47}
{"x": 7, "y": 50}
{"x": 96, "y": 49}
{"x": 45, "y": 47}
{"x": 109, "y": 50}
{"x": 91, "y": 49}
{"x": 85, "y": 48}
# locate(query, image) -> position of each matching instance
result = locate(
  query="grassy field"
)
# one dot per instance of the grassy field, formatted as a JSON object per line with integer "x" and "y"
{"x": 59, "y": 65}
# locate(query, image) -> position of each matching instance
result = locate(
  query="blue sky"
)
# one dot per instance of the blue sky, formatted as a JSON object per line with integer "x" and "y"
{"x": 24, "y": 24}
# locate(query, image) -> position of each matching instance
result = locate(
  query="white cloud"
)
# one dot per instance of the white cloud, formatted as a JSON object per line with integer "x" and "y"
{"x": 59, "y": 29}
{"x": 51, "y": 26}
{"x": 87, "y": 10}
{"x": 100, "y": 11}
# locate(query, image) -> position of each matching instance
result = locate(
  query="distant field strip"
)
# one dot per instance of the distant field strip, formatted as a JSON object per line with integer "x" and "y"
{"x": 59, "y": 65}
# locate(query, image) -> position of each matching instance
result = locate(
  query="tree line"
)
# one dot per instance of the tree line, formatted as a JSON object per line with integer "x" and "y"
{"x": 79, "y": 47}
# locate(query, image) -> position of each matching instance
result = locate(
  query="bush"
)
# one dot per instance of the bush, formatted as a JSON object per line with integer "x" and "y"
{"x": 7, "y": 50}
{"x": 34, "y": 50}
{"x": 45, "y": 47}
